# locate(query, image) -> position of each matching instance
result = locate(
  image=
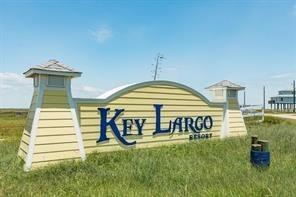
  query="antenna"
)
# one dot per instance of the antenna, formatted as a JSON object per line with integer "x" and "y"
{"x": 157, "y": 67}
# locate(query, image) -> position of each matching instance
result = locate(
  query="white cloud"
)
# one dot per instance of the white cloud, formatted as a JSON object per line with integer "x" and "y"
{"x": 13, "y": 80}
{"x": 281, "y": 76}
{"x": 15, "y": 90}
{"x": 86, "y": 91}
{"x": 90, "y": 89}
{"x": 102, "y": 34}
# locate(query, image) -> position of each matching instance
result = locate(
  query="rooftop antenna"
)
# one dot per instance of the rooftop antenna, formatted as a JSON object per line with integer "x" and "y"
{"x": 157, "y": 67}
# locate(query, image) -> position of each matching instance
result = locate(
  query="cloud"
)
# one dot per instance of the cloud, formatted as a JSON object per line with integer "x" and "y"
{"x": 15, "y": 90}
{"x": 102, "y": 34}
{"x": 281, "y": 76}
{"x": 13, "y": 81}
{"x": 91, "y": 89}
{"x": 87, "y": 91}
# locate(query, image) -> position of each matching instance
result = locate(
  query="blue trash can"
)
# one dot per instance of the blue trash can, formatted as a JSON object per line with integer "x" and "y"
{"x": 260, "y": 158}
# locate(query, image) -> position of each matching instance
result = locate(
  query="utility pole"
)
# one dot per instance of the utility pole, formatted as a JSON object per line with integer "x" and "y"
{"x": 263, "y": 107}
{"x": 244, "y": 98}
{"x": 263, "y": 97}
{"x": 294, "y": 100}
{"x": 158, "y": 60}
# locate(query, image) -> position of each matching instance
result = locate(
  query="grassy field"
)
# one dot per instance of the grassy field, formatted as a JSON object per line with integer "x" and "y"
{"x": 205, "y": 168}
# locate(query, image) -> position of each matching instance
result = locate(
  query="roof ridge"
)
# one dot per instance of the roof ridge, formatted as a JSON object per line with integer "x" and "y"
{"x": 55, "y": 65}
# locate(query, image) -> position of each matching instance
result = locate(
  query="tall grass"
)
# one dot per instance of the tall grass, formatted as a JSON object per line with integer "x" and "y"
{"x": 204, "y": 168}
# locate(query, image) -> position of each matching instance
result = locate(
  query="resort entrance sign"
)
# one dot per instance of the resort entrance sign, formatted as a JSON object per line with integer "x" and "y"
{"x": 180, "y": 124}
{"x": 148, "y": 114}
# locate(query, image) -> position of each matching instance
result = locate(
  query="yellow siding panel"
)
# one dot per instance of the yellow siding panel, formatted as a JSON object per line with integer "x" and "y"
{"x": 55, "y": 109}
{"x": 55, "y": 156}
{"x": 55, "y": 131}
{"x": 136, "y": 101}
{"x": 55, "y": 115}
{"x": 26, "y": 139}
{"x": 95, "y": 129}
{"x": 239, "y": 124}
{"x": 55, "y": 93}
{"x": 164, "y": 86}
{"x": 152, "y": 108}
{"x": 146, "y": 125}
{"x": 148, "y": 136}
{"x": 22, "y": 154}
{"x": 56, "y": 147}
{"x": 139, "y": 114}
{"x": 160, "y": 96}
{"x": 24, "y": 147}
{"x": 55, "y": 123}
{"x": 55, "y": 139}
{"x": 139, "y": 104}
{"x": 149, "y": 121}
{"x": 162, "y": 90}
{"x": 55, "y": 99}
{"x": 55, "y": 105}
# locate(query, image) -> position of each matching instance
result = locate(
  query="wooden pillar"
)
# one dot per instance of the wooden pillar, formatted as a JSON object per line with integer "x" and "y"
{"x": 281, "y": 106}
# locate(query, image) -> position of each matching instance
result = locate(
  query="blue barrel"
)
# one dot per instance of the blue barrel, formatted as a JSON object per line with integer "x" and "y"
{"x": 260, "y": 158}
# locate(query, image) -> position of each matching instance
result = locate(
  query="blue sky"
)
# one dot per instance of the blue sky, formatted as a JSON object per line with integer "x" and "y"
{"x": 252, "y": 43}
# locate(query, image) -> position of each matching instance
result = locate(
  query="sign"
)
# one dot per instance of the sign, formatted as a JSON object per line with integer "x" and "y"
{"x": 180, "y": 124}
{"x": 148, "y": 114}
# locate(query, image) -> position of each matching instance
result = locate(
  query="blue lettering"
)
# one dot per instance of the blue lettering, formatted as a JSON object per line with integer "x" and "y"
{"x": 158, "y": 129}
{"x": 140, "y": 125}
{"x": 112, "y": 124}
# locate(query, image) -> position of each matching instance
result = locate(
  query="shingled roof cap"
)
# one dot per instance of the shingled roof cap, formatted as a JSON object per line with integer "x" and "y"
{"x": 225, "y": 84}
{"x": 52, "y": 67}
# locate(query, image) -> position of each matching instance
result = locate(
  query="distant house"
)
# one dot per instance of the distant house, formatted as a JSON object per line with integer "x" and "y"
{"x": 283, "y": 101}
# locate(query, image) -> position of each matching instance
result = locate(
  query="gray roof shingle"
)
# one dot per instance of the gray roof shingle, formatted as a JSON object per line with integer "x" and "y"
{"x": 225, "y": 84}
{"x": 52, "y": 67}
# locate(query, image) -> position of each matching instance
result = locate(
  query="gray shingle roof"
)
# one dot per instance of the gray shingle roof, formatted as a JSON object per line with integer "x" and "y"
{"x": 55, "y": 65}
{"x": 52, "y": 67}
{"x": 225, "y": 84}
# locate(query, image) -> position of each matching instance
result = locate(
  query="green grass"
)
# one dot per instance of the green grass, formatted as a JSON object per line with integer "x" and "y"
{"x": 205, "y": 168}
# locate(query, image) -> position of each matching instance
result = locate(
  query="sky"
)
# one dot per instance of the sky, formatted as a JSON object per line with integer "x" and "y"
{"x": 251, "y": 43}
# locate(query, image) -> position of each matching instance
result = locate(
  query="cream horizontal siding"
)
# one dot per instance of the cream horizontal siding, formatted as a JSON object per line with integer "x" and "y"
{"x": 56, "y": 131}
{"x": 145, "y": 101}
{"x": 236, "y": 124}
{"x": 60, "y": 147}
{"x": 139, "y": 103}
{"x": 55, "y": 123}
{"x": 150, "y": 113}
{"x": 56, "y": 139}
{"x": 56, "y": 109}
{"x": 54, "y": 156}
{"x": 148, "y": 128}
{"x": 149, "y": 121}
{"x": 24, "y": 144}
{"x": 147, "y": 135}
